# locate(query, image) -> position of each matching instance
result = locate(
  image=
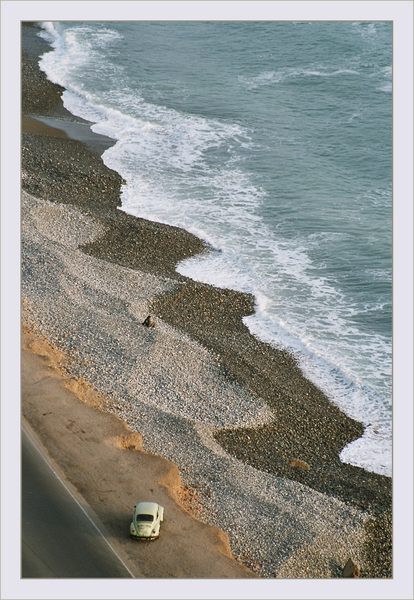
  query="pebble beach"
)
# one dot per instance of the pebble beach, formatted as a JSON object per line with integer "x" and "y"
{"x": 258, "y": 442}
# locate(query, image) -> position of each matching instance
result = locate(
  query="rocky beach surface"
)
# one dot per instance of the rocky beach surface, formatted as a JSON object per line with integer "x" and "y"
{"x": 257, "y": 441}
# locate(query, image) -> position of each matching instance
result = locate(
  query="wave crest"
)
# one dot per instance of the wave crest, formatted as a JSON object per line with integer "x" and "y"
{"x": 271, "y": 77}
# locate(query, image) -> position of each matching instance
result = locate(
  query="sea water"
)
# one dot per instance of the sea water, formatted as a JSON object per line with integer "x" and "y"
{"x": 272, "y": 141}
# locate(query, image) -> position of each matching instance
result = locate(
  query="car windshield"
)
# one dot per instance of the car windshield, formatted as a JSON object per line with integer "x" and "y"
{"x": 145, "y": 517}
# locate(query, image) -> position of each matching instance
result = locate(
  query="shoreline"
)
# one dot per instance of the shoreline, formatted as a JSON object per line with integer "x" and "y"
{"x": 289, "y": 412}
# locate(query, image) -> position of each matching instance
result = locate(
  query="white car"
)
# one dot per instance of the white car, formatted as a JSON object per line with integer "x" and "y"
{"x": 146, "y": 521}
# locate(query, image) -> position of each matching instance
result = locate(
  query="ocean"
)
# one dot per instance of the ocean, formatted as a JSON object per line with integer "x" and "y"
{"x": 272, "y": 141}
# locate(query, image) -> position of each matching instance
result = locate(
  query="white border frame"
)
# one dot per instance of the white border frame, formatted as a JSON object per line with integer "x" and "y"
{"x": 401, "y": 13}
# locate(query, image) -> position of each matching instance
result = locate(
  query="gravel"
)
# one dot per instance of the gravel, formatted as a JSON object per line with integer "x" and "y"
{"x": 177, "y": 394}
{"x": 230, "y": 411}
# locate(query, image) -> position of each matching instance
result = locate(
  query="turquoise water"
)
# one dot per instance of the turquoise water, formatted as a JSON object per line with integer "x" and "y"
{"x": 273, "y": 142}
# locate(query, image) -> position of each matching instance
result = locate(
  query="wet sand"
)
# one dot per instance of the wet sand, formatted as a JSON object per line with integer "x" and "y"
{"x": 254, "y": 413}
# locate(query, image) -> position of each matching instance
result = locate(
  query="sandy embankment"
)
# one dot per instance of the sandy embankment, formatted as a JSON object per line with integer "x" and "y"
{"x": 105, "y": 462}
{"x": 195, "y": 385}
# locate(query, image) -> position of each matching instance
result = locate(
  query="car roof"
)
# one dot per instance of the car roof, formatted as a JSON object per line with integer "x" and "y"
{"x": 146, "y": 508}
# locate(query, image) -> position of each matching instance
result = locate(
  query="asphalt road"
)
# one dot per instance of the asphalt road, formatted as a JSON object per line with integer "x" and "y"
{"x": 59, "y": 539}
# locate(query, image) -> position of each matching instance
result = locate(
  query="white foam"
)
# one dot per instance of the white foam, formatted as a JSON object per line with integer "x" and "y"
{"x": 328, "y": 342}
{"x": 385, "y": 87}
{"x": 368, "y": 31}
{"x": 69, "y": 54}
{"x": 271, "y": 77}
{"x": 161, "y": 154}
{"x": 50, "y": 32}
